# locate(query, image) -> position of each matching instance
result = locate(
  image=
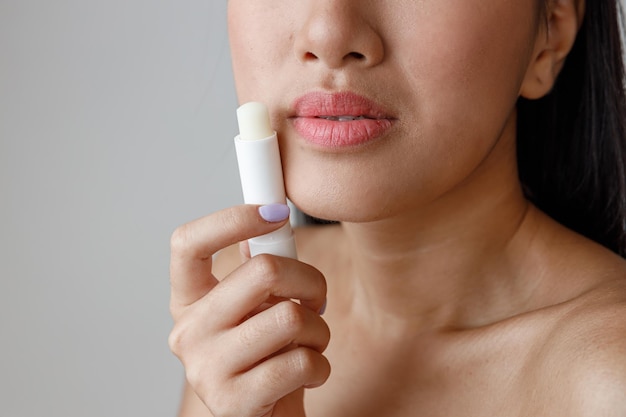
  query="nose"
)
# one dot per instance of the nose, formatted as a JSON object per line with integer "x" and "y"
{"x": 335, "y": 33}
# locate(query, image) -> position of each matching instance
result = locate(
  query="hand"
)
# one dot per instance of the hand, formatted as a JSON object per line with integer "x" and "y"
{"x": 248, "y": 348}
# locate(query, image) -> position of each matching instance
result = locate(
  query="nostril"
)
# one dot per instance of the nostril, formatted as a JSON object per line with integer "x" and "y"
{"x": 310, "y": 56}
{"x": 357, "y": 55}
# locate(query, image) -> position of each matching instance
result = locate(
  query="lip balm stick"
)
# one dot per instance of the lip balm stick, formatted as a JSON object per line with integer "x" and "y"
{"x": 262, "y": 175}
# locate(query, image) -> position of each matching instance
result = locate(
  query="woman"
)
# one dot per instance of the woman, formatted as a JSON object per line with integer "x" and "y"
{"x": 473, "y": 155}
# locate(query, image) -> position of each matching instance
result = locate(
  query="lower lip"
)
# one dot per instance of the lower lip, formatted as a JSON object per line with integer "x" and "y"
{"x": 340, "y": 134}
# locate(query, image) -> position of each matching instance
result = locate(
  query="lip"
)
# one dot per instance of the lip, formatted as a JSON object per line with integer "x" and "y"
{"x": 339, "y": 120}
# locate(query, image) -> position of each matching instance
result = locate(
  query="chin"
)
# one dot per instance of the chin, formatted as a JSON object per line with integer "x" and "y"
{"x": 347, "y": 190}
{"x": 345, "y": 207}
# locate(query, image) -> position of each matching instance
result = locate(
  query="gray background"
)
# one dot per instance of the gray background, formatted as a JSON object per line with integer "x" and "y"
{"x": 116, "y": 125}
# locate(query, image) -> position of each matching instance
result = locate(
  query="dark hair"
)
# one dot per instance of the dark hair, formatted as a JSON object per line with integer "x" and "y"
{"x": 572, "y": 143}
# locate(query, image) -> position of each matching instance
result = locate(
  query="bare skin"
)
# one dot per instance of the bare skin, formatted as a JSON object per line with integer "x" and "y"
{"x": 558, "y": 350}
{"x": 448, "y": 293}
{"x": 528, "y": 358}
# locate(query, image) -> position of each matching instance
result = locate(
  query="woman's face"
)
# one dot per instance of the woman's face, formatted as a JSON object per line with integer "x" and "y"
{"x": 384, "y": 106}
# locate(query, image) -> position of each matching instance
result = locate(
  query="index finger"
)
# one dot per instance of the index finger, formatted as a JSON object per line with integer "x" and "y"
{"x": 194, "y": 244}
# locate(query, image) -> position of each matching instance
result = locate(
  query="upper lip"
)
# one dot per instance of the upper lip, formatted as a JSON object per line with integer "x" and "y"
{"x": 335, "y": 105}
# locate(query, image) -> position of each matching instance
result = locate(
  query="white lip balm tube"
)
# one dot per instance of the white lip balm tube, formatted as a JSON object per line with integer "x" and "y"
{"x": 261, "y": 175}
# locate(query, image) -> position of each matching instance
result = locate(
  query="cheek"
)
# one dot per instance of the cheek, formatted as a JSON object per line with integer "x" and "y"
{"x": 258, "y": 45}
{"x": 466, "y": 81}
{"x": 470, "y": 59}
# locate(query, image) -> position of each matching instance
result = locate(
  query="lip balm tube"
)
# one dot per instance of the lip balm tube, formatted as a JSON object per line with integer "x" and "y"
{"x": 261, "y": 175}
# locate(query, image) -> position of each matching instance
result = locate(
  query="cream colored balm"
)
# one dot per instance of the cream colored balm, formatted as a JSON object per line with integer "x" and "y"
{"x": 261, "y": 175}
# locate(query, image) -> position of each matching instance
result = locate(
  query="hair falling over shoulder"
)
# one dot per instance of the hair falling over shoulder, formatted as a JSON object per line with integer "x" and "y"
{"x": 572, "y": 142}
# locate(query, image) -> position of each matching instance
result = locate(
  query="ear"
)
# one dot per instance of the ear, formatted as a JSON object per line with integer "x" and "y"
{"x": 554, "y": 41}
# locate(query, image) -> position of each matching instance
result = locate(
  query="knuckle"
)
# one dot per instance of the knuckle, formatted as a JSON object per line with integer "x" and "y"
{"x": 183, "y": 339}
{"x": 203, "y": 381}
{"x": 290, "y": 317}
{"x": 176, "y": 340}
{"x": 195, "y": 377}
{"x": 275, "y": 377}
{"x": 180, "y": 239}
{"x": 304, "y": 361}
{"x": 267, "y": 268}
{"x": 249, "y": 335}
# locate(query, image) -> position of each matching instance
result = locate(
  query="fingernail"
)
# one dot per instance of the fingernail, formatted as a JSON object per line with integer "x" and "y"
{"x": 323, "y": 309}
{"x": 274, "y": 212}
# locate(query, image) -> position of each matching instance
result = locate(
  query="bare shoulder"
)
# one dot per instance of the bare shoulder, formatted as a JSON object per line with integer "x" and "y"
{"x": 582, "y": 365}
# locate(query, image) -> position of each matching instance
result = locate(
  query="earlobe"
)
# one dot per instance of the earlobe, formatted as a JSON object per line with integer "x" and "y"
{"x": 540, "y": 76}
{"x": 553, "y": 44}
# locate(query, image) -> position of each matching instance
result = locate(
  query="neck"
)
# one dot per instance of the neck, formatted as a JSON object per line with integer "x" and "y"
{"x": 453, "y": 264}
